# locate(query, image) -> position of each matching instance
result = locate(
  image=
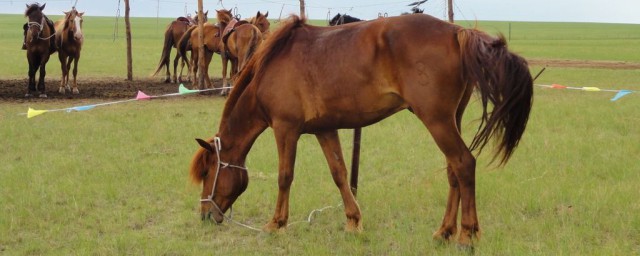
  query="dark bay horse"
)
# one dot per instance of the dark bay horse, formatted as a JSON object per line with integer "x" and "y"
{"x": 417, "y": 62}
{"x": 40, "y": 46}
{"x": 340, "y": 19}
{"x": 69, "y": 39}
{"x": 172, "y": 35}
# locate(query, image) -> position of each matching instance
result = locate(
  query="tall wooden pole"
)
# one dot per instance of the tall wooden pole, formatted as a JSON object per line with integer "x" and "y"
{"x": 201, "y": 50}
{"x": 302, "y": 14}
{"x": 128, "y": 27}
{"x": 450, "y": 4}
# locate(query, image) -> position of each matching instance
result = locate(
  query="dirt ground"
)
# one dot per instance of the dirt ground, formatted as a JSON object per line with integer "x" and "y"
{"x": 93, "y": 88}
{"x": 119, "y": 88}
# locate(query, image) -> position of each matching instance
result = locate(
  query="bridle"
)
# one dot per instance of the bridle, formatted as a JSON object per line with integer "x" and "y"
{"x": 40, "y": 27}
{"x": 221, "y": 165}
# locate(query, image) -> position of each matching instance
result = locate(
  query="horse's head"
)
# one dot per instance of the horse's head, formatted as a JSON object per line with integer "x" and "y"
{"x": 73, "y": 23}
{"x": 222, "y": 183}
{"x": 224, "y": 16}
{"x": 261, "y": 22}
{"x": 335, "y": 20}
{"x": 205, "y": 15}
{"x": 36, "y": 19}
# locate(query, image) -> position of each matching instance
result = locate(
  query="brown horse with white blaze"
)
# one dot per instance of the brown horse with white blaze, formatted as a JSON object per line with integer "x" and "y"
{"x": 69, "y": 39}
{"x": 417, "y": 62}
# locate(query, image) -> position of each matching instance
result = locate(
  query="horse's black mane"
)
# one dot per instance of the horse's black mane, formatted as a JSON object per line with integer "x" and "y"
{"x": 340, "y": 19}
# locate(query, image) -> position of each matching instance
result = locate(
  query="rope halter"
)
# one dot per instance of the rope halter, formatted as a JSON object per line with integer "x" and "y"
{"x": 221, "y": 165}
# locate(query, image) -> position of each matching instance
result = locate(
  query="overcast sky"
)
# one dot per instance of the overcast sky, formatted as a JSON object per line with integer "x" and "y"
{"x": 609, "y": 11}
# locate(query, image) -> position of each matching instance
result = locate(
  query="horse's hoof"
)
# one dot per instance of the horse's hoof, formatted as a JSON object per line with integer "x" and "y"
{"x": 443, "y": 236}
{"x": 28, "y": 95}
{"x": 273, "y": 227}
{"x": 76, "y": 91}
{"x": 61, "y": 90}
{"x": 43, "y": 95}
{"x": 352, "y": 227}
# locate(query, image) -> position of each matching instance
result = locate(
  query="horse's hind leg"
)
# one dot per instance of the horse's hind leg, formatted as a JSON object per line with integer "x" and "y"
{"x": 461, "y": 173}
{"x": 332, "y": 150}
{"x": 175, "y": 68}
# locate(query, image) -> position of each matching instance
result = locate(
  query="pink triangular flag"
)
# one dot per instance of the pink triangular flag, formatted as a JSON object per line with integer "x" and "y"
{"x": 142, "y": 96}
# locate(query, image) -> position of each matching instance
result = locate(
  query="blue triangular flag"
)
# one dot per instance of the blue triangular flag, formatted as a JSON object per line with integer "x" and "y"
{"x": 621, "y": 94}
{"x": 81, "y": 108}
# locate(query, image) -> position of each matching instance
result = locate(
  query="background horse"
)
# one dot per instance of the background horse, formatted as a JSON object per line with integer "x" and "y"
{"x": 69, "y": 39}
{"x": 412, "y": 62}
{"x": 40, "y": 46}
{"x": 172, "y": 36}
{"x": 190, "y": 41}
{"x": 240, "y": 40}
{"x": 340, "y": 19}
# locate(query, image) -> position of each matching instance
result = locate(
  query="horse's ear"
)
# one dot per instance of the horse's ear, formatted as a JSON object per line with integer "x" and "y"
{"x": 42, "y": 7}
{"x": 258, "y": 15}
{"x": 266, "y": 14}
{"x": 206, "y": 13}
{"x": 205, "y": 145}
{"x": 65, "y": 13}
{"x": 80, "y": 14}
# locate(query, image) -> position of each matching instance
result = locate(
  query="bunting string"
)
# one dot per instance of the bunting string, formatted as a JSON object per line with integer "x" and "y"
{"x": 619, "y": 93}
{"x": 139, "y": 96}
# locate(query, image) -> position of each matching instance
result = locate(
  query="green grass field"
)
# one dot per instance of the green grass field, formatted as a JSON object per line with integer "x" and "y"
{"x": 113, "y": 180}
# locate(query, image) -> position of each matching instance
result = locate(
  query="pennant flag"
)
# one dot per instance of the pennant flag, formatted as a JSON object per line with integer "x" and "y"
{"x": 32, "y": 112}
{"x": 142, "y": 96}
{"x": 621, "y": 94}
{"x": 184, "y": 90}
{"x": 81, "y": 108}
{"x": 557, "y": 86}
{"x": 591, "y": 89}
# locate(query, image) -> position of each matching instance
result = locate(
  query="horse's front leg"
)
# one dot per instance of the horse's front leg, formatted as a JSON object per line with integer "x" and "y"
{"x": 33, "y": 68}
{"x": 330, "y": 143}
{"x": 65, "y": 71}
{"x": 287, "y": 143}
{"x": 75, "y": 74}
{"x": 43, "y": 73}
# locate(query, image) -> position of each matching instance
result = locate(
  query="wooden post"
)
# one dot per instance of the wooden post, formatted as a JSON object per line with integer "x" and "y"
{"x": 201, "y": 50}
{"x": 450, "y": 4}
{"x": 355, "y": 160}
{"x": 128, "y": 27}
{"x": 302, "y": 14}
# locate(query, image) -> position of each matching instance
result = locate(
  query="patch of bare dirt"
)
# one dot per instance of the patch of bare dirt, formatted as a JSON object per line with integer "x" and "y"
{"x": 598, "y": 64}
{"x": 93, "y": 88}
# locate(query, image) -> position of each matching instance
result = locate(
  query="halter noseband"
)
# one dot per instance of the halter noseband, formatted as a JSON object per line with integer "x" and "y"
{"x": 218, "y": 147}
{"x": 40, "y": 28}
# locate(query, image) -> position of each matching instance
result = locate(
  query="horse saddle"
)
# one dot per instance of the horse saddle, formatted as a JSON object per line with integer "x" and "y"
{"x": 233, "y": 24}
{"x": 186, "y": 20}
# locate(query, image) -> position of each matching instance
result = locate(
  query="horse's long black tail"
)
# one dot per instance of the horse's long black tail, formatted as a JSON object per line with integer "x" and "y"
{"x": 185, "y": 43}
{"x": 166, "y": 50}
{"x": 503, "y": 79}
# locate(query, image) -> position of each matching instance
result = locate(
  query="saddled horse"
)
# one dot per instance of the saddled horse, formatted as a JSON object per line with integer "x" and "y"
{"x": 175, "y": 30}
{"x": 39, "y": 45}
{"x": 240, "y": 40}
{"x": 190, "y": 41}
{"x": 340, "y": 19}
{"x": 69, "y": 39}
{"x": 417, "y": 62}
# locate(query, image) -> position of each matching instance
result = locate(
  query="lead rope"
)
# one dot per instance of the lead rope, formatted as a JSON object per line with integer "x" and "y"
{"x": 218, "y": 147}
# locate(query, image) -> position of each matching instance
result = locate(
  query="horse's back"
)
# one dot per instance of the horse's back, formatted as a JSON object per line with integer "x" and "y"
{"x": 364, "y": 68}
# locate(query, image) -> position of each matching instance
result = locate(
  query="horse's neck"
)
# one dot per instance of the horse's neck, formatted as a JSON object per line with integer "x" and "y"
{"x": 240, "y": 127}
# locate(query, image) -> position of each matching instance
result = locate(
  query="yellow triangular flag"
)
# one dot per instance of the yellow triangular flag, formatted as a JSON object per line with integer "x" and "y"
{"x": 591, "y": 89}
{"x": 32, "y": 112}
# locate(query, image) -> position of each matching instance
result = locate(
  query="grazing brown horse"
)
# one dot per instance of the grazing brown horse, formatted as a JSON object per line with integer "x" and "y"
{"x": 191, "y": 42}
{"x": 40, "y": 46}
{"x": 69, "y": 39}
{"x": 240, "y": 41}
{"x": 172, "y": 35}
{"x": 294, "y": 85}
